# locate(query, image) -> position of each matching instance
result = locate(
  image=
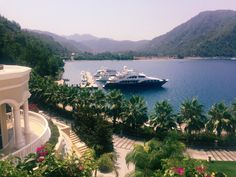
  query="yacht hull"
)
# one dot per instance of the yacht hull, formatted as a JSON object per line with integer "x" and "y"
{"x": 109, "y": 85}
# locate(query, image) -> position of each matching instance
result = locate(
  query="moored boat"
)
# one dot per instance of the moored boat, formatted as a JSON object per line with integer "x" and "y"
{"x": 104, "y": 74}
{"x": 129, "y": 78}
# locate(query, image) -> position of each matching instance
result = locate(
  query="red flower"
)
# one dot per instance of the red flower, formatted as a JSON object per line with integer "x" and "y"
{"x": 40, "y": 159}
{"x": 200, "y": 169}
{"x": 179, "y": 170}
{"x": 41, "y": 151}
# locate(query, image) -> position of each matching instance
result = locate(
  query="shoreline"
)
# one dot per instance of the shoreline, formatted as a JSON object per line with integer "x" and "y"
{"x": 163, "y": 58}
{"x": 185, "y": 58}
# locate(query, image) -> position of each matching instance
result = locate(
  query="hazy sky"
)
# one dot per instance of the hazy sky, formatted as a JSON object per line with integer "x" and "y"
{"x": 117, "y": 19}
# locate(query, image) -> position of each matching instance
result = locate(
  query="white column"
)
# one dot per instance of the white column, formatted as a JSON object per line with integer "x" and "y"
{"x": 3, "y": 124}
{"x": 19, "y": 141}
{"x": 26, "y": 117}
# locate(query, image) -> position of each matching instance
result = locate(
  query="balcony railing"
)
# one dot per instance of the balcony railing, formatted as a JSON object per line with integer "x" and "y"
{"x": 40, "y": 140}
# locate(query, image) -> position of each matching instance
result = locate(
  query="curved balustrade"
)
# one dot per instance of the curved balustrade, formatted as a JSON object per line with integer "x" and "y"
{"x": 40, "y": 140}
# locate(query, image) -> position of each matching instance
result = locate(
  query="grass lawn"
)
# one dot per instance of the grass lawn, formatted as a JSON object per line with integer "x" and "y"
{"x": 229, "y": 168}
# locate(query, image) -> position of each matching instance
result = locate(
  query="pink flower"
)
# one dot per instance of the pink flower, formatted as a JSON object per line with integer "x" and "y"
{"x": 41, "y": 151}
{"x": 38, "y": 149}
{"x": 200, "y": 169}
{"x": 179, "y": 170}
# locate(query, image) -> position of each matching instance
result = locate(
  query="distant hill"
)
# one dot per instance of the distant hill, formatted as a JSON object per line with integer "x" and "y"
{"x": 82, "y": 37}
{"x": 99, "y": 45}
{"x": 109, "y": 45}
{"x": 209, "y": 34}
{"x": 69, "y": 44}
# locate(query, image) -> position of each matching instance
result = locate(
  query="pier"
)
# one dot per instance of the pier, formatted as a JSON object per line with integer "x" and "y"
{"x": 87, "y": 80}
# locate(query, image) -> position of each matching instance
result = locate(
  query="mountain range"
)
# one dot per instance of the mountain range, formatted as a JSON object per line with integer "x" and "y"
{"x": 99, "y": 45}
{"x": 209, "y": 34}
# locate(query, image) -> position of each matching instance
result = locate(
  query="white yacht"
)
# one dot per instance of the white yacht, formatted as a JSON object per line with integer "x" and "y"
{"x": 104, "y": 74}
{"x": 129, "y": 78}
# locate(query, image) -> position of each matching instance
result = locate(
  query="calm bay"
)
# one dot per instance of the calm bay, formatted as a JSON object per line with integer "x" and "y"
{"x": 208, "y": 80}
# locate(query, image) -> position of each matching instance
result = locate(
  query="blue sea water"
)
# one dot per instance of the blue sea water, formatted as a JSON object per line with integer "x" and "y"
{"x": 208, "y": 80}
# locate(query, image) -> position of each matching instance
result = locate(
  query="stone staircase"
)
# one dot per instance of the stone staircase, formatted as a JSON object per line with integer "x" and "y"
{"x": 80, "y": 146}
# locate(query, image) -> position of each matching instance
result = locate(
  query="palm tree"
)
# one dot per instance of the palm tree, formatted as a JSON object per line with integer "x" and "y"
{"x": 135, "y": 112}
{"x": 233, "y": 117}
{"x": 163, "y": 117}
{"x": 114, "y": 108}
{"x": 192, "y": 114}
{"x": 149, "y": 157}
{"x": 144, "y": 157}
{"x": 220, "y": 119}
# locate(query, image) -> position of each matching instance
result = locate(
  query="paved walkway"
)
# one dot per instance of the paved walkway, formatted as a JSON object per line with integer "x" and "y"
{"x": 214, "y": 154}
{"x": 122, "y": 146}
{"x": 123, "y": 142}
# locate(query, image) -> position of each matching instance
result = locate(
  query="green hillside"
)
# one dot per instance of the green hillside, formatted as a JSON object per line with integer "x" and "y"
{"x": 209, "y": 34}
{"x": 26, "y": 48}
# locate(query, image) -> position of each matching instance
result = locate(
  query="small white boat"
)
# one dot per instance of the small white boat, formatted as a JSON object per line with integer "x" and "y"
{"x": 104, "y": 74}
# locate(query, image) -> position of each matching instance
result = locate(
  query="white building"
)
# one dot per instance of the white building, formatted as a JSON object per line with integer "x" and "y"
{"x": 21, "y": 131}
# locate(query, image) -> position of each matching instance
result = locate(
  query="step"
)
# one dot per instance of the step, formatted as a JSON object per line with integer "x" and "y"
{"x": 215, "y": 155}
{"x": 212, "y": 155}
{"x": 125, "y": 143}
{"x": 120, "y": 142}
{"x": 76, "y": 141}
{"x": 74, "y": 138}
{"x": 130, "y": 145}
{"x": 224, "y": 155}
{"x": 82, "y": 147}
{"x": 232, "y": 154}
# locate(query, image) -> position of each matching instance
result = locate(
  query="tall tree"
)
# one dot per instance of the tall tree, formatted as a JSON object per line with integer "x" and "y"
{"x": 163, "y": 118}
{"x": 220, "y": 119}
{"x": 135, "y": 112}
{"x": 114, "y": 107}
{"x": 192, "y": 114}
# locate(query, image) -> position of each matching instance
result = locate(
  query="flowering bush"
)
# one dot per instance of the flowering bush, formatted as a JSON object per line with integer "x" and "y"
{"x": 188, "y": 168}
{"x": 46, "y": 163}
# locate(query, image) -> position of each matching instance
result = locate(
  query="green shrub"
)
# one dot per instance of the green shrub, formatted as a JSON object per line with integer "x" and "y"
{"x": 105, "y": 163}
{"x": 54, "y": 133}
{"x": 227, "y": 141}
{"x": 201, "y": 139}
{"x": 7, "y": 169}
